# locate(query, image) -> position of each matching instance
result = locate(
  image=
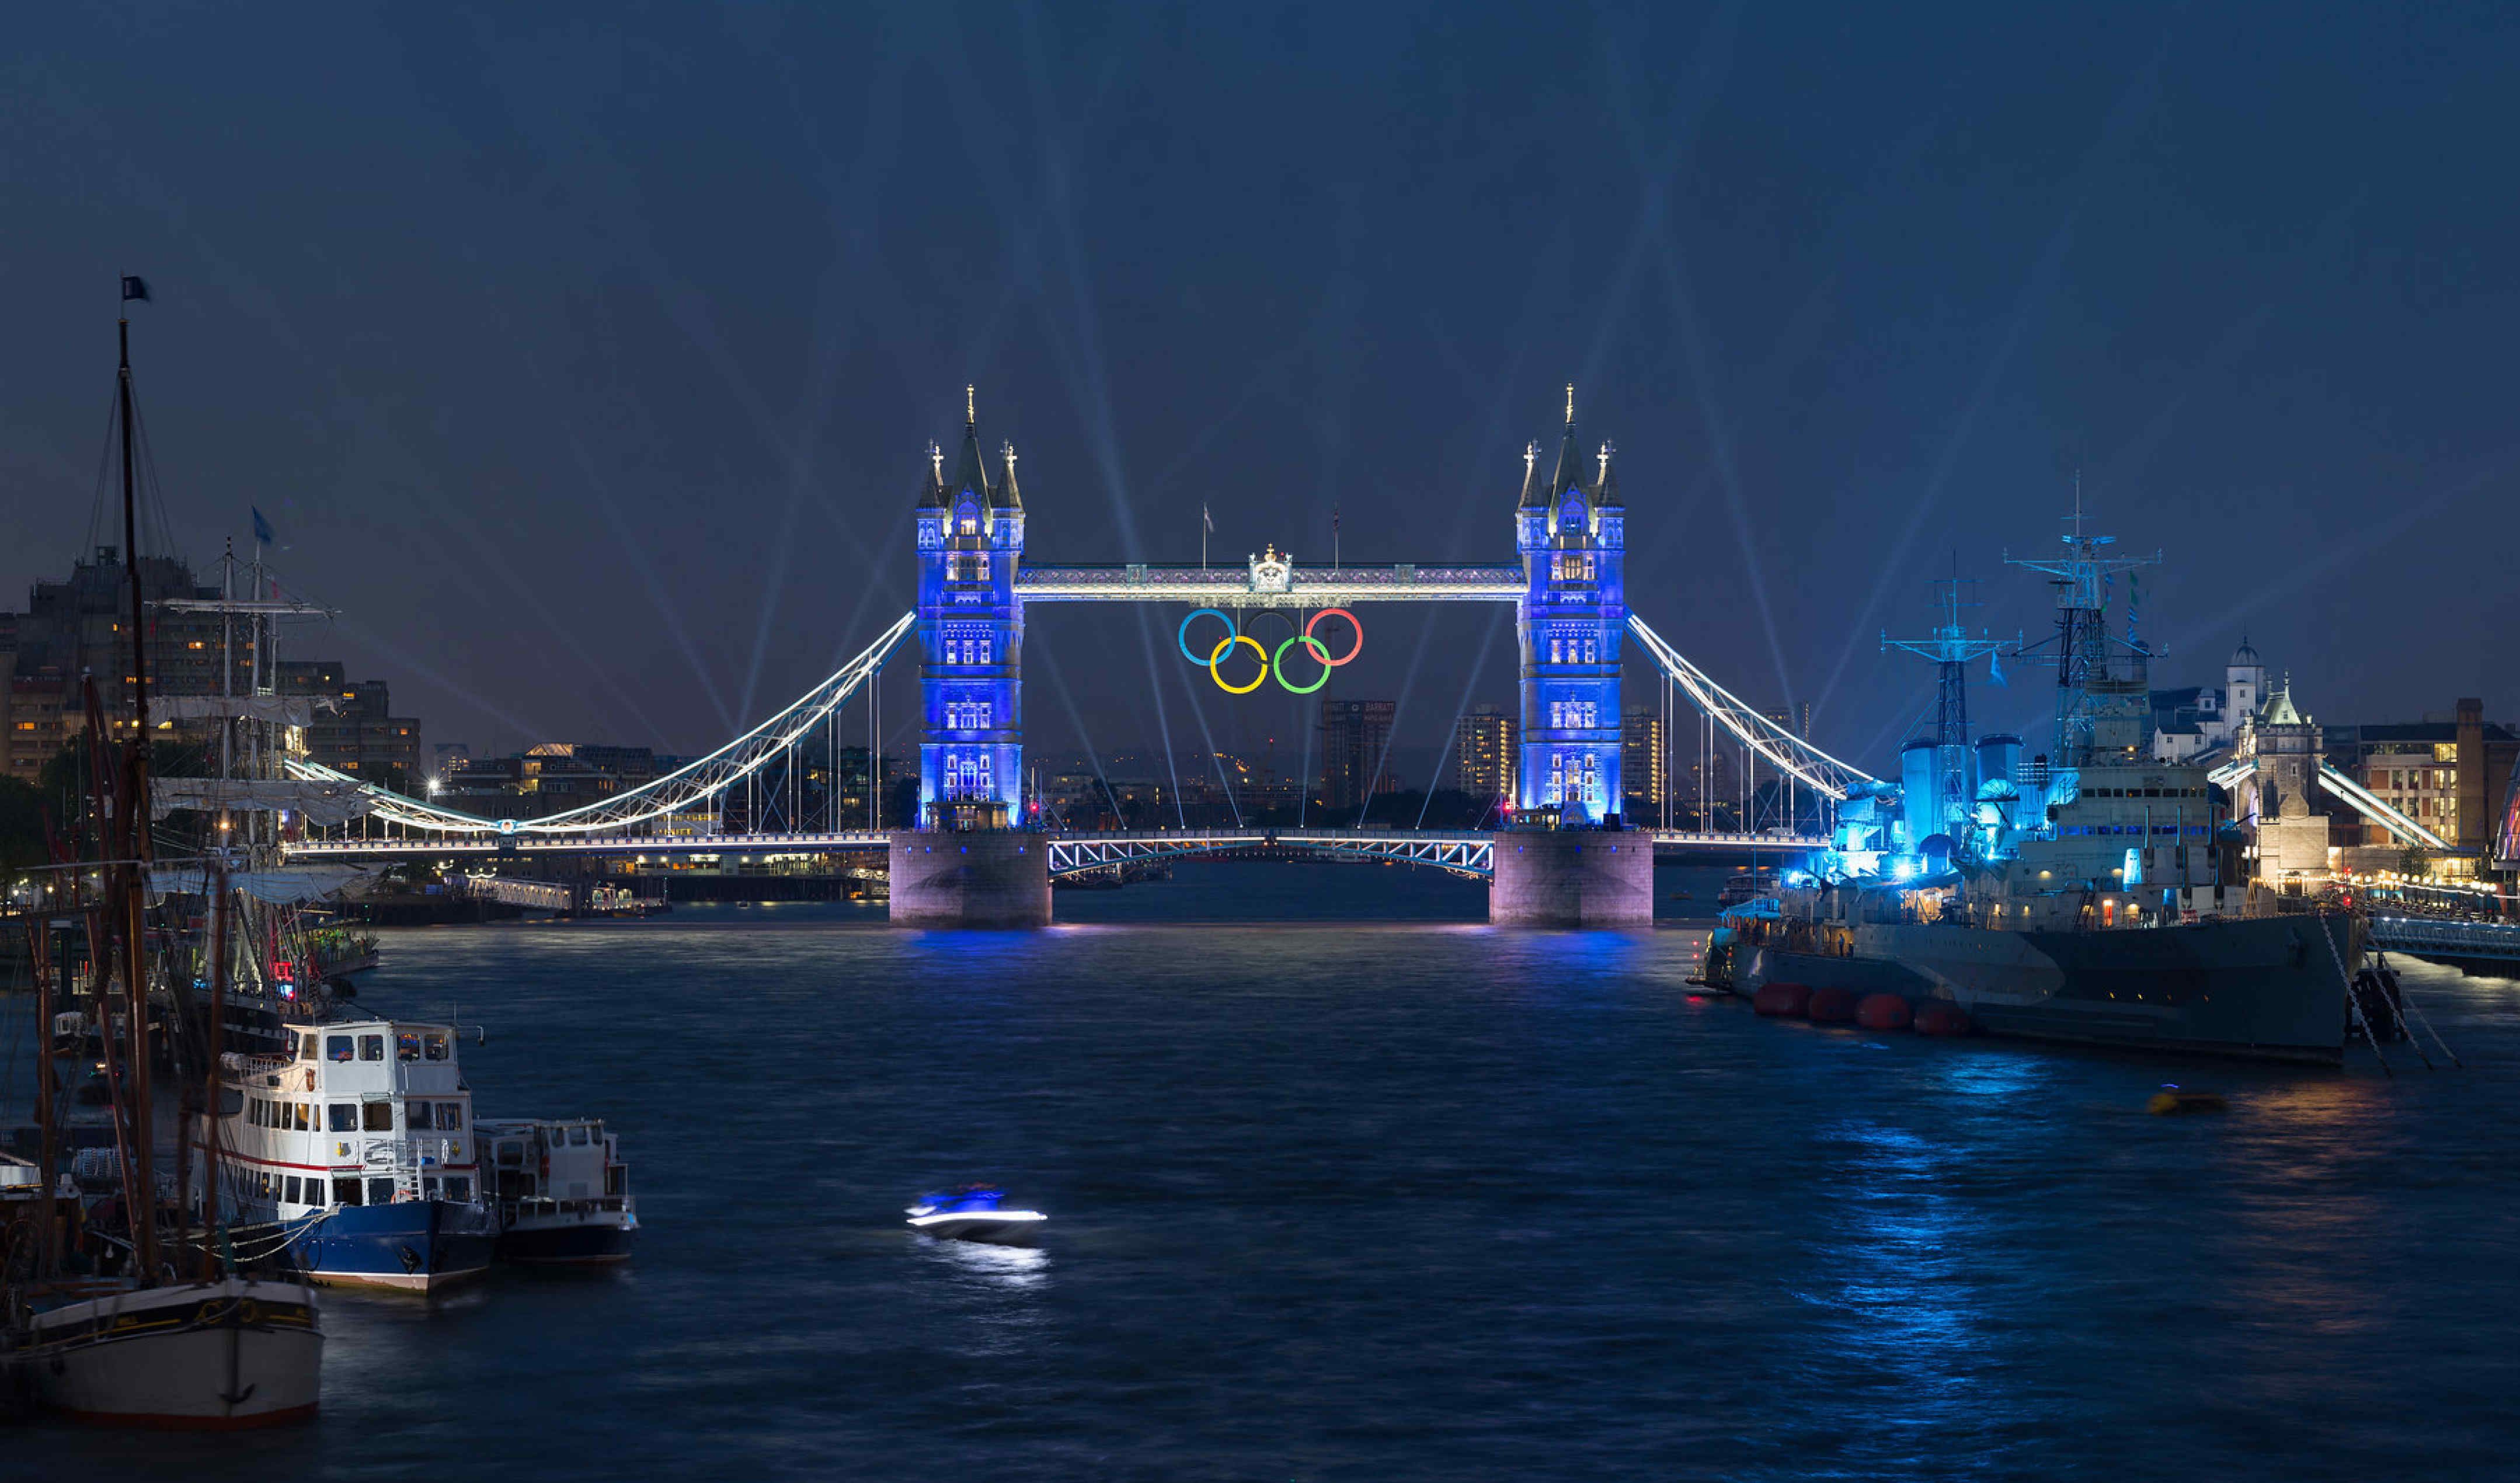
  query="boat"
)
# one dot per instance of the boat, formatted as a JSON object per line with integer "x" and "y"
{"x": 2095, "y": 895}
{"x": 227, "y": 1353}
{"x": 561, "y": 1190}
{"x": 353, "y": 1158}
{"x": 974, "y": 1213}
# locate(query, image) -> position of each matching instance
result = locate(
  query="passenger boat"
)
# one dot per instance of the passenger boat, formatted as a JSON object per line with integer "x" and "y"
{"x": 353, "y": 1158}
{"x": 974, "y": 1213}
{"x": 561, "y": 1190}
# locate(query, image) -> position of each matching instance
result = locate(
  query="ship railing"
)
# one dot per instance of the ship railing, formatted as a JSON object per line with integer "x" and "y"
{"x": 254, "y": 1065}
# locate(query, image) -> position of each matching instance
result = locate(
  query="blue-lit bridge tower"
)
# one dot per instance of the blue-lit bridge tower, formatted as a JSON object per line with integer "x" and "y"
{"x": 1571, "y": 531}
{"x": 971, "y": 537}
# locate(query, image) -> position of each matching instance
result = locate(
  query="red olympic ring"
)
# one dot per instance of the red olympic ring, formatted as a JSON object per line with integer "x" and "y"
{"x": 1353, "y": 652}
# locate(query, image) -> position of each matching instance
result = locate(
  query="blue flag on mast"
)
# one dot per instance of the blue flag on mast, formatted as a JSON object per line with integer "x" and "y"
{"x": 263, "y": 534}
{"x": 134, "y": 287}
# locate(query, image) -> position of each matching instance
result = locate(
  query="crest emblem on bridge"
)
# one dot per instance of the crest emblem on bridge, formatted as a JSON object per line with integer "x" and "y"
{"x": 1272, "y": 573}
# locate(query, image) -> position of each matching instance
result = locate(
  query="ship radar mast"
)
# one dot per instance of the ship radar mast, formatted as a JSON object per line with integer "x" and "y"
{"x": 1952, "y": 649}
{"x": 2081, "y": 649}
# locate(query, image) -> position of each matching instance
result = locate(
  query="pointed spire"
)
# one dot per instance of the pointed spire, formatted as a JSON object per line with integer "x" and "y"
{"x": 932, "y": 490}
{"x": 1007, "y": 497}
{"x": 1535, "y": 494}
{"x": 1570, "y": 458}
{"x": 971, "y": 471}
{"x": 1606, "y": 488}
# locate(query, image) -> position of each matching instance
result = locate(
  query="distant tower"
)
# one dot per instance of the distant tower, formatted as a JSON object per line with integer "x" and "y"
{"x": 1570, "y": 529}
{"x": 2244, "y": 683}
{"x": 971, "y": 633}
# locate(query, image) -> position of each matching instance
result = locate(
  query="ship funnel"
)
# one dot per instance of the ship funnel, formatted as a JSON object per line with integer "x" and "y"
{"x": 1998, "y": 757}
{"x": 1916, "y": 768}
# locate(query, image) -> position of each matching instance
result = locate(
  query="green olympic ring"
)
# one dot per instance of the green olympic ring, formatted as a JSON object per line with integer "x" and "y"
{"x": 1320, "y": 651}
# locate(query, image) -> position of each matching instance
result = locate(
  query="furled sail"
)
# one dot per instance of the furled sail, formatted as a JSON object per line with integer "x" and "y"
{"x": 317, "y": 803}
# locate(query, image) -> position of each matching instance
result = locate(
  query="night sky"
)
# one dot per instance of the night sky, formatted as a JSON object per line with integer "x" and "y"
{"x": 588, "y": 365}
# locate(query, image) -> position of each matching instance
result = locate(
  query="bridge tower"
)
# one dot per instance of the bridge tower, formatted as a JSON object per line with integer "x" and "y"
{"x": 968, "y": 863}
{"x": 1570, "y": 528}
{"x": 971, "y": 537}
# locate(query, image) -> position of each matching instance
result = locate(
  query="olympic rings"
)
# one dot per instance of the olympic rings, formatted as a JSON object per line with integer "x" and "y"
{"x": 1320, "y": 650}
{"x": 1180, "y": 636}
{"x": 1354, "y": 650}
{"x": 1218, "y": 675}
{"x": 1270, "y": 661}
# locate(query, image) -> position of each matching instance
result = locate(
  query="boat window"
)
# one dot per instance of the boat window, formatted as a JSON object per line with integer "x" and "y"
{"x": 344, "y": 1117}
{"x": 428, "y": 1188}
{"x": 289, "y": 1189}
{"x": 372, "y": 1048}
{"x": 306, "y": 1051}
{"x": 416, "y": 1115}
{"x": 458, "y": 1190}
{"x": 436, "y": 1044}
{"x": 304, "y": 1116}
{"x": 231, "y": 1101}
{"x": 450, "y": 1115}
{"x": 380, "y": 1192}
{"x": 345, "y": 1192}
{"x": 377, "y": 1116}
{"x": 577, "y": 1134}
{"x": 512, "y": 1156}
{"x": 407, "y": 1045}
{"x": 337, "y": 1047}
{"x": 253, "y": 1113}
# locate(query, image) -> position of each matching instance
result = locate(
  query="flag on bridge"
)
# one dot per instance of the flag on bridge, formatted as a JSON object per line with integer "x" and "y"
{"x": 263, "y": 534}
{"x": 1994, "y": 666}
{"x": 134, "y": 288}
{"x": 1205, "y": 519}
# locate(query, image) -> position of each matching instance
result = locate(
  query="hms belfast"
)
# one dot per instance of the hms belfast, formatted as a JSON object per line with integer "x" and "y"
{"x": 2091, "y": 894}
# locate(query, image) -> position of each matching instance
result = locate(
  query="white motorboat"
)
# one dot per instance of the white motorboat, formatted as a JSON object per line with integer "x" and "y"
{"x": 974, "y": 1213}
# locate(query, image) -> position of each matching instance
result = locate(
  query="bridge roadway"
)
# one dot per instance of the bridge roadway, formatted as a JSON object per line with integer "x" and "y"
{"x": 1468, "y": 852}
{"x": 2452, "y": 939}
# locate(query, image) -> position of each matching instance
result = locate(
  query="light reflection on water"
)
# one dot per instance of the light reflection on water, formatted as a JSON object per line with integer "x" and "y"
{"x": 1410, "y": 1198}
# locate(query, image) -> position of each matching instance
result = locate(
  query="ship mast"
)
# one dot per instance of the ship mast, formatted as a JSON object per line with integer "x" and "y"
{"x": 2082, "y": 579}
{"x": 128, "y": 872}
{"x": 1953, "y": 651}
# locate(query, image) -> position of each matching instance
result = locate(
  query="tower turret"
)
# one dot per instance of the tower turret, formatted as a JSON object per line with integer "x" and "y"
{"x": 1571, "y": 533}
{"x": 970, "y": 630}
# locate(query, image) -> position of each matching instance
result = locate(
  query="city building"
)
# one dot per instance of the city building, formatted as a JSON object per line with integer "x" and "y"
{"x": 353, "y": 728}
{"x": 2196, "y": 720}
{"x": 1645, "y": 764}
{"x": 1355, "y": 744}
{"x": 1486, "y": 754}
{"x": 2448, "y": 772}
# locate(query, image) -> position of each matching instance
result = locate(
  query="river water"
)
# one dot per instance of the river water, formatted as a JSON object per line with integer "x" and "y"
{"x": 1346, "y": 1184}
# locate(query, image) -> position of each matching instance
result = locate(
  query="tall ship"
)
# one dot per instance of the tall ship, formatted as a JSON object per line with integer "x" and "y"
{"x": 2089, "y": 895}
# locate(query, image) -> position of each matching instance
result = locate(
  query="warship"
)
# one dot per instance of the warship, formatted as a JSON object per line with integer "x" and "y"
{"x": 2091, "y": 894}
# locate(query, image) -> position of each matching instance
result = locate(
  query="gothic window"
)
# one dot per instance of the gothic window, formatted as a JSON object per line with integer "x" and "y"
{"x": 984, "y": 649}
{"x": 968, "y": 517}
{"x": 980, "y": 777}
{"x": 1553, "y": 648}
{"x": 1591, "y": 653}
{"x": 1592, "y": 779}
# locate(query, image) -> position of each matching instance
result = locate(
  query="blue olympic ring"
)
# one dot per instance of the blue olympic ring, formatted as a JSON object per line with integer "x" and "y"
{"x": 1180, "y": 636}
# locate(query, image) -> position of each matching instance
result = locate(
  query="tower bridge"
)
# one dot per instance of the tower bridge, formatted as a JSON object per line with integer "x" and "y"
{"x": 968, "y": 856}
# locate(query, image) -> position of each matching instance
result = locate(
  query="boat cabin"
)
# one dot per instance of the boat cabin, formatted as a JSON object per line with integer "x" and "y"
{"x": 364, "y": 1113}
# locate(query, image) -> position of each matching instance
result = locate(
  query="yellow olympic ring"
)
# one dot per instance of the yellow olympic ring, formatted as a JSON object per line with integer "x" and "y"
{"x": 1219, "y": 674}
